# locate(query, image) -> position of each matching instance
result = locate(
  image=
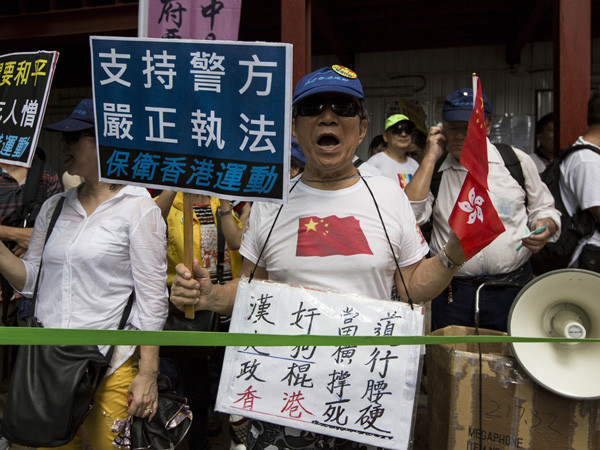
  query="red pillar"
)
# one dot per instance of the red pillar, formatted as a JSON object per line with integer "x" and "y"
{"x": 295, "y": 29}
{"x": 572, "y": 69}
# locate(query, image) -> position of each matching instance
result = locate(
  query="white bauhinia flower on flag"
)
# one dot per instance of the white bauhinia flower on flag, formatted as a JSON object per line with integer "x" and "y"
{"x": 473, "y": 207}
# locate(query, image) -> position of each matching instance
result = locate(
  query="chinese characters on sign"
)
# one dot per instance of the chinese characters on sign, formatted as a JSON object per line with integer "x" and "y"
{"x": 25, "y": 80}
{"x": 362, "y": 393}
{"x": 209, "y": 117}
{"x": 196, "y": 19}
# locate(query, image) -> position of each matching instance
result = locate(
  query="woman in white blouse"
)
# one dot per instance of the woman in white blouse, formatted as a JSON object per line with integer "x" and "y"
{"x": 108, "y": 241}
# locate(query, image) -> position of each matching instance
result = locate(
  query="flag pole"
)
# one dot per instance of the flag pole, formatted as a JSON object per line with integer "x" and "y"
{"x": 188, "y": 243}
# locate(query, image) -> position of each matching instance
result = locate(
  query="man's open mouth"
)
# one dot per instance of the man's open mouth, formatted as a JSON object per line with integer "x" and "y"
{"x": 328, "y": 140}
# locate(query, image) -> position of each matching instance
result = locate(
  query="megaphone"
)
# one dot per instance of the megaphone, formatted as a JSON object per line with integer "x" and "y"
{"x": 562, "y": 303}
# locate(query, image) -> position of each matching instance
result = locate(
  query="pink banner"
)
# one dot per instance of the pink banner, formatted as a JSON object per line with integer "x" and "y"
{"x": 190, "y": 19}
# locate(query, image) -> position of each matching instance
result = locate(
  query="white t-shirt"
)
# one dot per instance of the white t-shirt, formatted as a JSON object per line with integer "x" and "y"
{"x": 579, "y": 186}
{"x": 334, "y": 239}
{"x": 366, "y": 169}
{"x": 400, "y": 172}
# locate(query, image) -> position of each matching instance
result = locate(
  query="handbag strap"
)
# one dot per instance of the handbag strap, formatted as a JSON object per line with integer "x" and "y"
{"x": 53, "y": 220}
{"x": 122, "y": 323}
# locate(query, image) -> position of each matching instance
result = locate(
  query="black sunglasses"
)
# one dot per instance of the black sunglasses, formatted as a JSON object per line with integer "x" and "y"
{"x": 402, "y": 127}
{"x": 72, "y": 137}
{"x": 342, "y": 106}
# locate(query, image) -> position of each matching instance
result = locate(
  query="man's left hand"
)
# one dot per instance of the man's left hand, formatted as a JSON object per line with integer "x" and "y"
{"x": 537, "y": 241}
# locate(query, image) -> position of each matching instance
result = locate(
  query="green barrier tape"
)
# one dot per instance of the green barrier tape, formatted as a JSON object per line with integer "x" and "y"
{"x": 55, "y": 336}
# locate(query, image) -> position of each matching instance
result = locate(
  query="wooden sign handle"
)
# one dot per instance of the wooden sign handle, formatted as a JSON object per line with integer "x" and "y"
{"x": 188, "y": 243}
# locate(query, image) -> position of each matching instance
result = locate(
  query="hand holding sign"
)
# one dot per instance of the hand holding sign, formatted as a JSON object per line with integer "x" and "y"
{"x": 189, "y": 285}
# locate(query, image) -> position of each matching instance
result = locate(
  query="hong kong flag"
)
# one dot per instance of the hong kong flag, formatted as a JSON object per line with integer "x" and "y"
{"x": 474, "y": 218}
{"x": 331, "y": 235}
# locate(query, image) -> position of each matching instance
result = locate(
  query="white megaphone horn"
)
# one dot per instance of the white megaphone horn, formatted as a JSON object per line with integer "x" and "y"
{"x": 563, "y": 303}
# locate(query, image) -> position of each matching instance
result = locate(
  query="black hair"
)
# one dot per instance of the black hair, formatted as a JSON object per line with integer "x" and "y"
{"x": 594, "y": 109}
{"x": 377, "y": 141}
{"x": 541, "y": 124}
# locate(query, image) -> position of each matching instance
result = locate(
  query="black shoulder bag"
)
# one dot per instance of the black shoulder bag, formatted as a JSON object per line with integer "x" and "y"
{"x": 52, "y": 387}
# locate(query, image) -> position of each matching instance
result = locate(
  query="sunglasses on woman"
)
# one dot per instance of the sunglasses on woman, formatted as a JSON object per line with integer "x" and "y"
{"x": 403, "y": 127}
{"x": 342, "y": 106}
{"x": 72, "y": 137}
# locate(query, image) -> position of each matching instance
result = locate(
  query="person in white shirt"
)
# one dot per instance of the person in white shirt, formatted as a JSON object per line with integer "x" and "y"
{"x": 329, "y": 122}
{"x": 580, "y": 189}
{"x": 393, "y": 162}
{"x": 108, "y": 241}
{"x": 519, "y": 210}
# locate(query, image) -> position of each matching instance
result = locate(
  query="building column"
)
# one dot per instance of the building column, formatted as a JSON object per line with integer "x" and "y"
{"x": 295, "y": 29}
{"x": 572, "y": 69}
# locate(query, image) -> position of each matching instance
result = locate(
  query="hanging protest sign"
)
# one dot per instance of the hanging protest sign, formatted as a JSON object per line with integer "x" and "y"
{"x": 365, "y": 394}
{"x": 174, "y": 19}
{"x": 197, "y": 116}
{"x": 25, "y": 80}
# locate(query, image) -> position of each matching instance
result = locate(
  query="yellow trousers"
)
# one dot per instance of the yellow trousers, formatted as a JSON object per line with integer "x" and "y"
{"x": 110, "y": 403}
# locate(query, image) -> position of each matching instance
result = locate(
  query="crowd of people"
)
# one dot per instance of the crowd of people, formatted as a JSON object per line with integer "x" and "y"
{"x": 111, "y": 241}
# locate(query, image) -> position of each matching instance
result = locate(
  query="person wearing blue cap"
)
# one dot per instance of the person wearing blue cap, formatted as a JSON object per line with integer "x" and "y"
{"x": 393, "y": 161}
{"x": 108, "y": 246}
{"x": 521, "y": 206}
{"x": 329, "y": 121}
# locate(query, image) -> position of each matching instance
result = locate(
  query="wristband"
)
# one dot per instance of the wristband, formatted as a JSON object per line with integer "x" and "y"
{"x": 447, "y": 262}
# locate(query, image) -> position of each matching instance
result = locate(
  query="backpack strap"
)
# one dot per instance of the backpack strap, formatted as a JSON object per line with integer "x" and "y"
{"x": 557, "y": 194}
{"x": 436, "y": 178}
{"x": 512, "y": 163}
{"x": 573, "y": 148}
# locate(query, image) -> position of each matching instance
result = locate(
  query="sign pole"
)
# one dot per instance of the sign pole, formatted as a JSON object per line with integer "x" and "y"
{"x": 188, "y": 243}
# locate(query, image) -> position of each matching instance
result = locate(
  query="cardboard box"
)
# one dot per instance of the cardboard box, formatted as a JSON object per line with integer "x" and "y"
{"x": 517, "y": 413}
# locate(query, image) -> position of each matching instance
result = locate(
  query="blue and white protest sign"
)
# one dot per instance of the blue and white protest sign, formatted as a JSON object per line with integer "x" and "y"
{"x": 25, "y": 80}
{"x": 362, "y": 393}
{"x": 210, "y": 117}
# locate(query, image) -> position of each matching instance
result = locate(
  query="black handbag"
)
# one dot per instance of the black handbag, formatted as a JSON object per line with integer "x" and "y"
{"x": 166, "y": 430}
{"x": 52, "y": 387}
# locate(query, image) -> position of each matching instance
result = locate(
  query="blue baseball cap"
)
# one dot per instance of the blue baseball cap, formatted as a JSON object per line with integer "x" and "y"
{"x": 334, "y": 79}
{"x": 458, "y": 106}
{"x": 297, "y": 152}
{"x": 82, "y": 118}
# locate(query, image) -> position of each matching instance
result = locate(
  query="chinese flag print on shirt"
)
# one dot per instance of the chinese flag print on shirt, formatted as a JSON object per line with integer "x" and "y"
{"x": 474, "y": 218}
{"x": 330, "y": 236}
